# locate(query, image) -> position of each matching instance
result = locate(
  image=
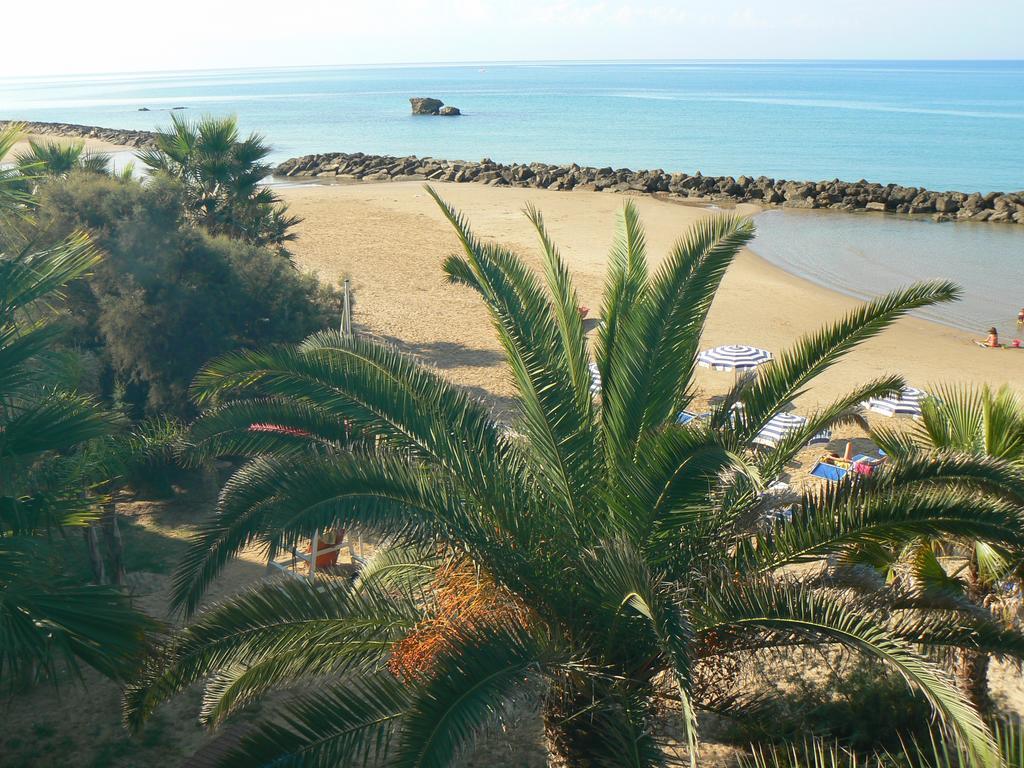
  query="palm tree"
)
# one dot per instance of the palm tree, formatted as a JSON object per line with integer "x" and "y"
{"x": 13, "y": 195}
{"x": 56, "y": 160}
{"x": 590, "y": 560}
{"x": 986, "y": 424}
{"x": 47, "y": 620}
{"x": 222, "y": 175}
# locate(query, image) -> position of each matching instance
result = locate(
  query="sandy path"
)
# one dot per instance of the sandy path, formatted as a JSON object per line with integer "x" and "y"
{"x": 390, "y": 240}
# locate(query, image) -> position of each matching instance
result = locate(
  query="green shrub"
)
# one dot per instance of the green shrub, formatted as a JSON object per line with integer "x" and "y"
{"x": 866, "y": 709}
{"x": 168, "y": 297}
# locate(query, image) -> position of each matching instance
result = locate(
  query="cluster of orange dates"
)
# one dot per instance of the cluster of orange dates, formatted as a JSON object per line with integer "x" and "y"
{"x": 462, "y": 600}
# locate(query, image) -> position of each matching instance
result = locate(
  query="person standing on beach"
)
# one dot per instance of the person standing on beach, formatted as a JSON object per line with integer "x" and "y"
{"x": 1020, "y": 318}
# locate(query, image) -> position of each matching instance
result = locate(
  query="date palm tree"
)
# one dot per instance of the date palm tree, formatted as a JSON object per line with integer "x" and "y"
{"x": 983, "y": 423}
{"x": 588, "y": 560}
{"x": 49, "y": 621}
{"x": 223, "y": 177}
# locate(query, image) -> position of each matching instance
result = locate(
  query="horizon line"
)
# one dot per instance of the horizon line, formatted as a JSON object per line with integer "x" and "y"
{"x": 509, "y": 63}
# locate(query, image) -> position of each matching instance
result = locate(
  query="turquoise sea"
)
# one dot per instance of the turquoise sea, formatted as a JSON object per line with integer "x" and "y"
{"x": 943, "y": 125}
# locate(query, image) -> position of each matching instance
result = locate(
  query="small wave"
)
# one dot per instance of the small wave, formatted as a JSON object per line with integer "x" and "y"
{"x": 859, "y": 106}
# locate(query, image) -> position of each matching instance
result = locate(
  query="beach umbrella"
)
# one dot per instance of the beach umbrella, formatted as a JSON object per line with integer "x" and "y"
{"x": 595, "y": 379}
{"x": 906, "y": 403}
{"x": 733, "y": 357}
{"x": 825, "y": 436}
{"x": 780, "y": 425}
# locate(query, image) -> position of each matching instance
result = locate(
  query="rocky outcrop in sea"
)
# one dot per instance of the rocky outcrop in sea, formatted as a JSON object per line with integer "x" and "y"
{"x": 136, "y": 139}
{"x": 428, "y": 106}
{"x": 836, "y": 195}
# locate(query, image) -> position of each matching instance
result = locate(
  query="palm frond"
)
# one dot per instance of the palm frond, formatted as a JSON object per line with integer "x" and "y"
{"x": 560, "y": 434}
{"x": 341, "y": 726}
{"x": 796, "y": 611}
{"x": 832, "y": 520}
{"x": 271, "y": 633}
{"x": 474, "y": 679}
{"x": 278, "y": 501}
{"x": 784, "y": 378}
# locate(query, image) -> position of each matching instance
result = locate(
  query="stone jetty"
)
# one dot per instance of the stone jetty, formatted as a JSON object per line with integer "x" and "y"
{"x": 996, "y": 207}
{"x": 1007, "y": 207}
{"x": 126, "y": 138}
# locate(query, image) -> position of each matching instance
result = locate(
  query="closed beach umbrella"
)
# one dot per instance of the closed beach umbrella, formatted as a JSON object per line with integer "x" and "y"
{"x": 595, "y": 379}
{"x": 780, "y": 425}
{"x": 906, "y": 403}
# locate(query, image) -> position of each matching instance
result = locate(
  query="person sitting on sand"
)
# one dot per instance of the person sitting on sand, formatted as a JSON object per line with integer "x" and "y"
{"x": 992, "y": 341}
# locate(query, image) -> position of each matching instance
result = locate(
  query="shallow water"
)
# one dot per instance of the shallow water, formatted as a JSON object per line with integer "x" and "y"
{"x": 944, "y": 125}
{"x": 864, "y": 254}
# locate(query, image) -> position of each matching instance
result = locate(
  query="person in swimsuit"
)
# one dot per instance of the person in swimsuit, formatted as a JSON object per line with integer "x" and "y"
{"x": 992, "y": 340}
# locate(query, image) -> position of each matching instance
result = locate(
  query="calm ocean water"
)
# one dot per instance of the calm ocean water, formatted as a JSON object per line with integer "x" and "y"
{"x": 864, "y": 254}
{"x": 944, "y": 125}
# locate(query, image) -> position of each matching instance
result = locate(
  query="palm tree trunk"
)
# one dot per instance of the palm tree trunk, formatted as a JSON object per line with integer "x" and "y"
{"x": 972, "y": 677}
{"x": 972, "y": 666}
{"x": 92, "y": 544}
{"x": 115, "y": 545}
{"x": 568, "y": 730}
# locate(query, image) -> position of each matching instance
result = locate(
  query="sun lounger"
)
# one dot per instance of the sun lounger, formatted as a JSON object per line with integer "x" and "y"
{"x": 685, "y": 417}
{"x": 831, "y": 472}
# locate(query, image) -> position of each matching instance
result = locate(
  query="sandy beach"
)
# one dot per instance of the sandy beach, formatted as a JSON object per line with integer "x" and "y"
{"x": 390, "y": 239}
{"x": 94, "y": 146}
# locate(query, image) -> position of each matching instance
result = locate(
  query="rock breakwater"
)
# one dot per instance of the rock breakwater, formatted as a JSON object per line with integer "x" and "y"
{"x": 126, "y": 138}
{"x": 1005, "y": 207}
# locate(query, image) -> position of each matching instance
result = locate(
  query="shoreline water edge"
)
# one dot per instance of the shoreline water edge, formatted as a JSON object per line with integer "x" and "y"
{"x": 917, "y": 202}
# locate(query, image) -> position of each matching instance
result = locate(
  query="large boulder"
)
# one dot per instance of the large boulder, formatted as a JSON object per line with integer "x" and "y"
{"x": 421, "y": 106}
{"x": 449, "y": 111}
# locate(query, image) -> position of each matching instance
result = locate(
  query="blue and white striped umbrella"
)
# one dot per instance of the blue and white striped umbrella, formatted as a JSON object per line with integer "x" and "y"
{"x": 595, "y": 379}
{"x": 780, "y": 425}
{"x": 733, "y": 357}
{"x": 906, "y": 403}
{"x": 825, "y": 436}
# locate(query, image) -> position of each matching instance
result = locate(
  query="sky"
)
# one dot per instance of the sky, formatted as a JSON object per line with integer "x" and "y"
{"x": 80, "y": 38}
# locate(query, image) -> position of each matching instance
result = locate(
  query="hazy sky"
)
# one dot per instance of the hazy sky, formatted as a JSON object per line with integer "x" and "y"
{"x": 68, "y": 36}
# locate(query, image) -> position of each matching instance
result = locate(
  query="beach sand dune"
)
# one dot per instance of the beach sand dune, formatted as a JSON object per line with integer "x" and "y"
{"x": 390, "y": 239}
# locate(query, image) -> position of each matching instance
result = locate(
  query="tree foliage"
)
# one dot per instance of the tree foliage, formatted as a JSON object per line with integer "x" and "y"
{"x": 168, "y": 297}
{"x": 222, "y": 176}
{"x": 590, "y": 559}
{"x": 987, "y": 425}
{"x": 47, "y": 620}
